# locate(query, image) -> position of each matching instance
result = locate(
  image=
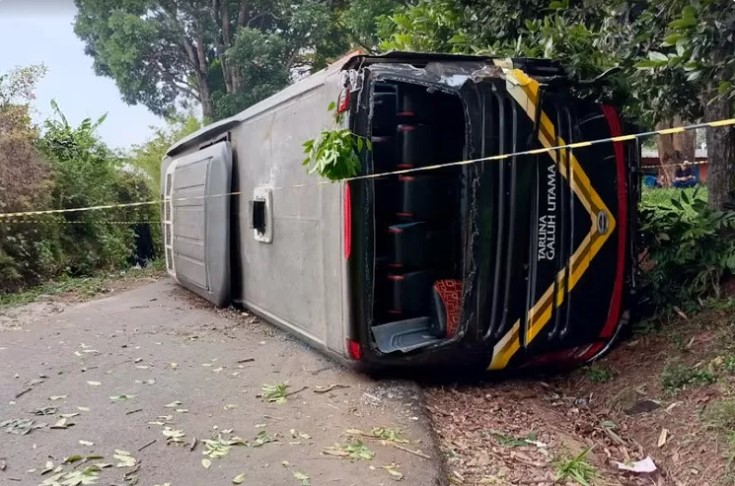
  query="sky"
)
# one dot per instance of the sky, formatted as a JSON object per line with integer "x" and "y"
{"x": 41, "y": 31}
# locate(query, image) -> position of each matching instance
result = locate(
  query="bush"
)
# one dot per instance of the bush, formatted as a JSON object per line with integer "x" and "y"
{"x": 689, "y": 249}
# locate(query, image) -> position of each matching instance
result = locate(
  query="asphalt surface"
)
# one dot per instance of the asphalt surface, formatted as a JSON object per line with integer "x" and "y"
{"x": 133, "y": 371}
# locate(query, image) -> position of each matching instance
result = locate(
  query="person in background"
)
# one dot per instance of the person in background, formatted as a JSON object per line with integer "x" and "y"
{"x": 684, "y": 175}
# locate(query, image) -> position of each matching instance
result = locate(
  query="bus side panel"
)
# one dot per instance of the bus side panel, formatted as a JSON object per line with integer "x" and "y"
{"x": 296, "y": 279}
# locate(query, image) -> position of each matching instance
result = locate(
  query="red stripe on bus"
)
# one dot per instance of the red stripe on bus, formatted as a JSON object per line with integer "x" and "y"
{"x": 613, "y": 317}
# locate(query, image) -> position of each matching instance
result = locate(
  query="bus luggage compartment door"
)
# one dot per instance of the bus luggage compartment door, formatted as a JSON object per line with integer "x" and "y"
{"x": 198, "y": 231}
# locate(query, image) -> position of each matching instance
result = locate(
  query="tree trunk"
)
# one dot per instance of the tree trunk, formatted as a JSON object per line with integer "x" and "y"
{"x": 205, "y": 97}
{"x": 685, "y": 143}
{"x": 720, "y": 152}
{"x": 674, "y": 148}
{"x": 226, "y": 43}
{"x": 202, "y": 73}
{"x": 666, "y": 154}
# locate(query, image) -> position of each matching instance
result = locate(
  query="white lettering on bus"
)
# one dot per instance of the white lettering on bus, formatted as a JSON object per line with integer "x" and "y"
{"x": 547, "y": 222}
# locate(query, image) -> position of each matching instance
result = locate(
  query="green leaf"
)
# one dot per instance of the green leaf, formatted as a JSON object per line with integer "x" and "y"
{"x": 671, "y": 39}
{"x": 360, "y": 144}
{"x": 657, "y": 56}
{"x": 694, "y": 75}
{"x": 332, "y": 106}
{"x": 239, "y": 479}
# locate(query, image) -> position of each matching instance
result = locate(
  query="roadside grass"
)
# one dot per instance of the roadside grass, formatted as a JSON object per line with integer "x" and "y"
{"x": 663, "y": 196}
{"x": 600, "y": 373}
{"x": 83, "y": 286}
{"x": 677, "y": 376}
{"x": 720, "y": 417}
{"x": 576, "y": 468}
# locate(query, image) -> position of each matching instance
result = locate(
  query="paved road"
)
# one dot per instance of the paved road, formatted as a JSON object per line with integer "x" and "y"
{"x": 156, "y": 359}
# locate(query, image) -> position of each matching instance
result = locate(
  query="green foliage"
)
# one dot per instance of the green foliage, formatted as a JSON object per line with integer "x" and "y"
{"x": 362, "y": 20}
{"x": 65, "y": 167}
{"x": 697, "y": 39}
{"x": 147, "y": 157}
{"x": 689, "y": 247}
{"x": 334, "y": 154}
{"x": 676, "y": 376}
{"x": 576, "y": 469}
{"x": 598, "y": 373}
{"x": 506, "y": 440}
{"x": 277, "y": 393}
{"x": 260, "y": 61}
{"x": 426, "y": 26}
{"x": 223, "y": 54}
{"x": 143, "y": 47}
{"x": 87, "y": 173}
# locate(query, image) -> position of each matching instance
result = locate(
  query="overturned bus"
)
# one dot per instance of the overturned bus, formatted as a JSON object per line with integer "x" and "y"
{"x": 502, "y": 263}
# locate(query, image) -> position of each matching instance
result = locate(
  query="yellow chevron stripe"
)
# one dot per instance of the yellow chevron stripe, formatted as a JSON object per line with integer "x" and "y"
{"x": 524, "y": 91}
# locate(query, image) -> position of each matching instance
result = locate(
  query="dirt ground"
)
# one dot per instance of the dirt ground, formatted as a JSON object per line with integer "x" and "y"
{"x": 667, "y": 394}
{"x": 127, "y": 389}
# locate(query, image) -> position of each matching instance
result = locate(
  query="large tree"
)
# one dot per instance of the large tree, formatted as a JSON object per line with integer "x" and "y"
{"x": 222, "y": 54}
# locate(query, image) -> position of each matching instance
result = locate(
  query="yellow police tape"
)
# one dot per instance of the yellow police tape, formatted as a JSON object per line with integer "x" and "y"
{"x": 575, "y": 145}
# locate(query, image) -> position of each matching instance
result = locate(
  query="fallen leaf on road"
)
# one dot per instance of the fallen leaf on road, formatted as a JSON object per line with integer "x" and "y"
{"x": 62, "y": 424}
{"x": 45, "y": 411}
{"x": 285, "y": 463}
{"x": 83, "y": 409}
{"x": 68, "y": 415}
{"x": 230, "y": 406}
{"x": 121, "y": 398}
{"x": 206, "y": 463}
{"x": 305, "y": 480}
{"x": 262, "y": 438}
{"x": 182, "y": 410}
{"x": 173, "y": 404}
{"x": 275, "y": 393}
{"x": 173, "y": 365}
{"x": 392, "y": 469}
{"x": 18, "y": 426}
{"x": 72, "y": 459}
{"x": 173, "y": 436}
{"x": 94, "y": 383}
{"x": 86, "y": 443}
{"x": 239, "y": 479}
{"x": 125, "y": 458}
{"x": 355, "y": 449}
{"x": 57, "y": 397}
{"x": 663, "y": 437}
